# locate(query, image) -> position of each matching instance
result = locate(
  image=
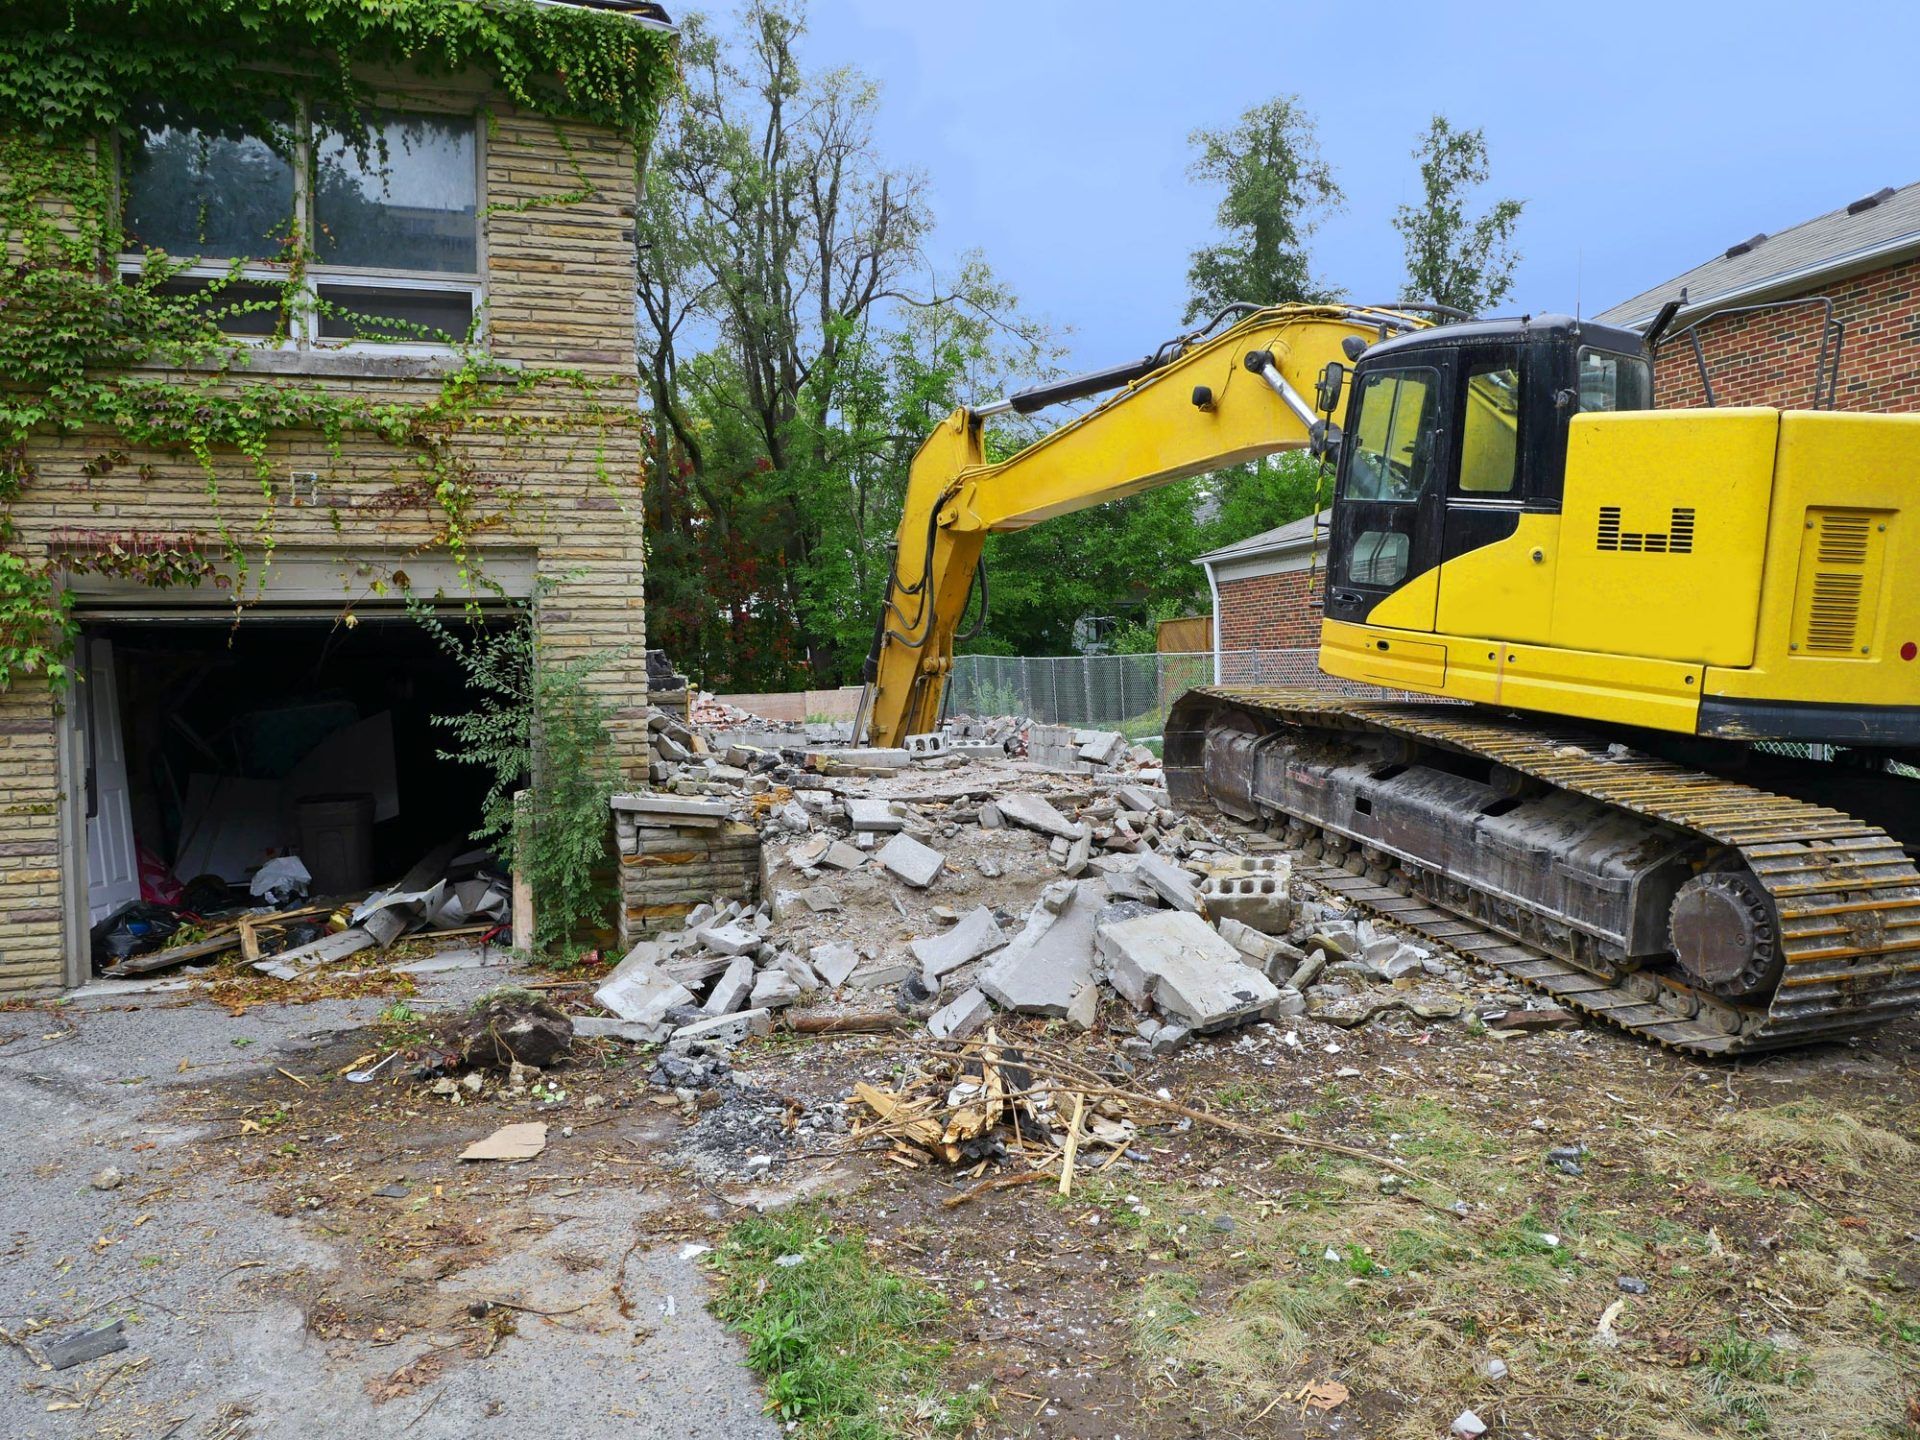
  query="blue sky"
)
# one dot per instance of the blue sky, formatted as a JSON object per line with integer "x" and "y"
{"x": 1644, "y": 138}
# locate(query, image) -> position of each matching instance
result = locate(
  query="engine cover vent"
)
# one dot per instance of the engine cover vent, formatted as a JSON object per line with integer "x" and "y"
{"x": 1836, "y": 605}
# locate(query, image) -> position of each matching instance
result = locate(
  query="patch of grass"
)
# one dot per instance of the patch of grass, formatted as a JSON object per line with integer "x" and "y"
{"x": 846, "y": 1348}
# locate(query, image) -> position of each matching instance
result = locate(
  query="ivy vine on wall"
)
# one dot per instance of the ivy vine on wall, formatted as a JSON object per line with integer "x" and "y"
{"x": 77, "y": 78}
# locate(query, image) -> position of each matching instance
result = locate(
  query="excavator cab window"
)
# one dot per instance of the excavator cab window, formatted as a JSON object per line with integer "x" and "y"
{"x": 1609, "y": 381}
{"x": 1490, "y": 430}
{"x": 1392, "y": 441}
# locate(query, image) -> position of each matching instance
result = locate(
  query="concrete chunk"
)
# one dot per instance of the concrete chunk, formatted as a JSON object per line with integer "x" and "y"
{"x": 606, "y": 1027}
{"x": 1036, "y": 813}
{"x": 911, "y": 861}
{"x": 1188, "y": 971}
{"x": 961, "y": 1017}
{"x": 876, "y": 817}
{"x": 1141, "y": 800}
{"x": 1259, "y": 899}
{"x": 834, "y": 961}
{"x": 670, "y": 809}
{"x": 723, "y": 1030}
{"x": 880, "y": 973}
{"x": 977, "y": 934}
{"x": 731, "y": 938}
{"x": 730, "y": 991}
{"x": 842, "y": 856}
{"x": 1051, "y": 960}
{"x": 641, "y": 994}
{"x": 1101, "y": 747}
{"x": 1168, "y": 880}
{"x": 773, "y": 989}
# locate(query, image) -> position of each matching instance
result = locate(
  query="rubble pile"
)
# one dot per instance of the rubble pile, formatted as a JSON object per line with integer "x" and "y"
{"x": 948, "y": 881}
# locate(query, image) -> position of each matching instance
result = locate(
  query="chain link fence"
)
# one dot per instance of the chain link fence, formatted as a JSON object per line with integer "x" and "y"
{"x": 1128, "y": 693}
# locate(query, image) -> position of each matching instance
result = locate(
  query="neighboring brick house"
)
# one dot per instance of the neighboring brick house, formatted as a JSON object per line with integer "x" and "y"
{"x": 482, "y": 227}
{"x": 1266, "y": 593}
{"x": 1864, "y": 258}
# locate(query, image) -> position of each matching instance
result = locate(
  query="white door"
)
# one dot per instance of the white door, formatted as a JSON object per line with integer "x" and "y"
{"x": 113, "y": 871}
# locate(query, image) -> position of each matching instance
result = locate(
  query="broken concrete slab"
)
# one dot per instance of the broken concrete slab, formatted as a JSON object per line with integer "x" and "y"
{"x": 1079, "y": 853}
{"x": 842, "y": 856}
{"x": 1100, "y": 747}
{"x": 1169, "y": 881}
{"x": 671, "y": 809}
{"x": 724, "y": 1031}
{"x": 799, "y": 971}
{"x": 731, "y": 938}
{"x": 881, "y": 973}
{"x": 730, "y": 991}
{"x": 1050, "y": 961}
{"x": 1141, "y": 800}
{"x": 875, "y": 817}
{"x": 773, "y": 989}
{"x": 834, "y": 961}
{"x": 977, "y": 934}
{"x": 1180, "y": 963}
{"x": 607, "y": 1027}
{"x": 916, "y": 864}
{"x": 961, "y": 1016}
{"x": 1035, "y": 812}
{"x": 641, "y": 994}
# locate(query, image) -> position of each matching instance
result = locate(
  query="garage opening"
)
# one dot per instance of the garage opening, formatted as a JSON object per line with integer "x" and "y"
{"x": 280, "y": 767}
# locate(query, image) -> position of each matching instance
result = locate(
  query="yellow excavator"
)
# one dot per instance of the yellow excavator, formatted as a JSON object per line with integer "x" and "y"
{"x": 1681, "y": 791}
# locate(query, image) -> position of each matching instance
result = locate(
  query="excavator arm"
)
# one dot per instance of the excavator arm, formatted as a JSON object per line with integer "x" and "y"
{"x": 1204, "y": 403}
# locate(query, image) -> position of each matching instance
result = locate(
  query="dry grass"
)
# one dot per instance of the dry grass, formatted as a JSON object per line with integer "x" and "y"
{"x": 1765, "y": 1314}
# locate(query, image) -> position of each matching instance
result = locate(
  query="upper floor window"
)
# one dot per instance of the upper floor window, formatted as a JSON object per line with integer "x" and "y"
{"x": 385, "y": 206}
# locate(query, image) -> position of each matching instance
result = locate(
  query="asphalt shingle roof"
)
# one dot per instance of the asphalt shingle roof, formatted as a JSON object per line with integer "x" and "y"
{"x": 1795, "y": 259}
{"x": 1281, "y": 537}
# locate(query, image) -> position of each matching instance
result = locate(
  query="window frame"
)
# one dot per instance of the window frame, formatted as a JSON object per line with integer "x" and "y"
{"x": 1437, "y": 399}
{"x": 303, "y": 331}
{"x": 1488, "y": 360}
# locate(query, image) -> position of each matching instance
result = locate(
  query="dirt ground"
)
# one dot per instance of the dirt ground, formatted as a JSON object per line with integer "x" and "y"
{"x": 1720, "y": 1249}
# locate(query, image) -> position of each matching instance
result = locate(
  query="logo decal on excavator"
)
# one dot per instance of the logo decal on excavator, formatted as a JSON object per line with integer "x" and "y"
{"x": 1677, "y": 539}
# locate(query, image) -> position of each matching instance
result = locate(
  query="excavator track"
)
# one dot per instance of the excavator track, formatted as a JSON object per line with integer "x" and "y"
{"x": 1844, "y": 929}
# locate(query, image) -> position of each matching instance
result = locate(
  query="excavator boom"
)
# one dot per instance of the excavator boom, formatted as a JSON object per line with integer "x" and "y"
{"x": 1249, "y": 391}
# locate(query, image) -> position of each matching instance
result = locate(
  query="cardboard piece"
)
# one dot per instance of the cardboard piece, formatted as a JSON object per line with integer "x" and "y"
{"x": 510, "y": 1142}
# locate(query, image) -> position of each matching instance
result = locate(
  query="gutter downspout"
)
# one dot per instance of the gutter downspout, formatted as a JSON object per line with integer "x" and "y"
{"x": 1213, "y": 589}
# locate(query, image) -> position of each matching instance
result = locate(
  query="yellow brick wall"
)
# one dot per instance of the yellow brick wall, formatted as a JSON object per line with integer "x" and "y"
{"x": 560, "y": 286}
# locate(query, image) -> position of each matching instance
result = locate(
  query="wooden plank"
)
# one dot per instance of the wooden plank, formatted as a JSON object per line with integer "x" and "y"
{"x": 178, "y": 955}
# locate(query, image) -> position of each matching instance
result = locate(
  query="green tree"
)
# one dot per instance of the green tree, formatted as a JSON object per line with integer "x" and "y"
{"x": 1277, "y": 188}
{"x": 1454, "y": 258}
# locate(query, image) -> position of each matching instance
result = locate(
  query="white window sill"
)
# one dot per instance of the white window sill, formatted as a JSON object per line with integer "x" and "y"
{"x": 358, "y": 363}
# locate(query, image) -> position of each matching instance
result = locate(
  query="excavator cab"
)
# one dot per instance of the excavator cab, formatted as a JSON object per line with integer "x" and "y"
{"x": 1451, "y": 436}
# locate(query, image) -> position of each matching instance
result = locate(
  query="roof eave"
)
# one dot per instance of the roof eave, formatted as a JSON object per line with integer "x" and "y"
{"x": 645, "y": 22}
{"x": 1789, "y": 281}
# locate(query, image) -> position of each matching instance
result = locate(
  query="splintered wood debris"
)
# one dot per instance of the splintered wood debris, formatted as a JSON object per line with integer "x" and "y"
{"x": 983, "y": 1102}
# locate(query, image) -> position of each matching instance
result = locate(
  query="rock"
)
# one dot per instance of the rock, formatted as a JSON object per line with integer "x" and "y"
{"x": 730, "y": 991}
{"x": 773, "y": 989}
{"x": 1288, "y": 1005}
{"x": 1265, "y": 953}
{"x": 1404, "y": 960}
{"x": 1495, "y": 1370}
{"x": 1309, "y": 970}
{"x": 876, "y": 817}
{"x": 833, "y": 961}
{"x": 1048, "y": 963}
{"x": 1186, "y": 969}
{"x": 108, "y": 1179}
{"x": 1171, "y": 883}
{"x": 1629, "y": 1285}
{"x": 961, "y": 1017}
{"x": 991, "y": 818}
{"x": 793, "y": 816}
{"x": 1084, "y": 1008}
{"x": 1169, "y": 1038}
{"x": 1469, "y": 1426}
{"x": 799, "y": 971}
{"x": 1033, "y": 812}
{"x": 976, "y": 935}
{"x": 514, "y": 1027}
{"x": 810, "y": 853}
{"x": 912, "y": 862}
{"x": 732, "y": 938}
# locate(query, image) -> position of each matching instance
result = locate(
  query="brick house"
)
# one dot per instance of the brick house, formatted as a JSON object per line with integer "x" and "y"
{"x": 1851, "y": 283}
{"x": 1266, "y": 594}
{"x": 197, "y": 725}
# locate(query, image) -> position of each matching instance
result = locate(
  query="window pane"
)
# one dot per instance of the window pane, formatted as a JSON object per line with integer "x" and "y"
{"x": 191, "y": 192}
{"x": 1489, "y": 440}
{"x": 1379, "y": 558}
{"x": 382, "y": 312}
{"x": 400, "y": 195}
{"x": 1393, "y": 440}
{"x": 238, "y": 307}
{"x": 1614, "y": 382}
